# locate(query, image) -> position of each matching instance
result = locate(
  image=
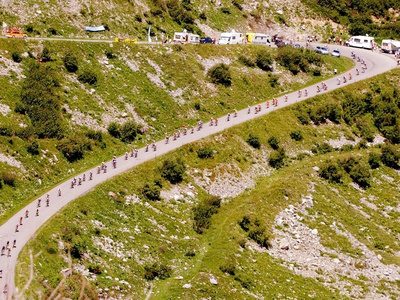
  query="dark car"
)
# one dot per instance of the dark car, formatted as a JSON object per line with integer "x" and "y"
{"x": 206, "y": 40}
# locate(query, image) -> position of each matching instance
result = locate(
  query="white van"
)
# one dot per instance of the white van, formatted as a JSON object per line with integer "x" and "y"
{"x": 184, "y": 37}
{"x": 230, "y": 38}
{"x": 390, "y": 46}
{"x": 366, "y": 42}
{"x": 258, "y": 38}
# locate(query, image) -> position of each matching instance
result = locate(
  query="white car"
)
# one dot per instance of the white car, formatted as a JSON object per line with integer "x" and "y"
{"x": 336, "y": 53}
{"x": 321, "y": 50}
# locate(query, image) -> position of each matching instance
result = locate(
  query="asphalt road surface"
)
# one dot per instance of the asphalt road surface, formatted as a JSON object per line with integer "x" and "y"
{"x": 376, "y": 64}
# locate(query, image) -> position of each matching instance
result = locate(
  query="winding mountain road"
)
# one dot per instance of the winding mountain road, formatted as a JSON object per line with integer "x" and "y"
{"x": 377, "y": 63}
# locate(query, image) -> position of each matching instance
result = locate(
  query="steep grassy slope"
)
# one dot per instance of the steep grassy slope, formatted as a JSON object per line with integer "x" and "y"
{"x": 342, "y": 239}
{"x": 139, "y": 84}
{"x": 132, "y": 18}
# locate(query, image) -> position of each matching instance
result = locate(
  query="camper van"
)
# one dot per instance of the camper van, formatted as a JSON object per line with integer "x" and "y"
{"x": 366, "y": 42}
{"x": 184, "y": 37}
{"x": 229, "y": 38}
{"x": 258, "y": 38}
{"x": 390, "y": 46}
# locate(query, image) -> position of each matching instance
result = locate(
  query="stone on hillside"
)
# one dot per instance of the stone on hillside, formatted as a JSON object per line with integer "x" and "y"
{"x": 314, "y": 231}
{"x": 66, "y": 272}
{"x": 187, "y": 286}
{"x": 178, "y": 278}
{"x": 284, "y": 245}
{"x": 213, "y": 281}
{"x": 112, "y": 195}
{"x": 316, "y": 169}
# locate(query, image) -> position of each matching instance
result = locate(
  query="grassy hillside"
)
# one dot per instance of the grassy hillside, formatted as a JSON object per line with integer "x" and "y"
{"x": 323, "y": 224}
{"x": 136, "y": 88}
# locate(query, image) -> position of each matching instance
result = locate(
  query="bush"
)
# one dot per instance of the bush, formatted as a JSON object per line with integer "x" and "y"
{"x": 254, "y": 141}
{"x": 205, "y": 152}
{"x": 247, "y": 61}
{"x": 173, "y": 170}
{"x": 88, "y": 77}
{"x": 331, "y": 172}
{"x": 45, "y": 56}
{"x": 273, "y": 81}
{"x": 70, "y": 62}
{"x": 273, "y": 142}
{"x": 95, "y": 268}
{"x": 260, "y": 236}
{"x": 95, "y": 135}
{"x": 9, "y": 178}
{"x": 245, "y": 223}
{"x": 322, "y": 148}
{"x": 228, "y": 268}
{"x": 296, "y": 135}
{"x": 16, "y": 57}
{"x": 264, "y": 60}
{"x": 361, "y": 175}
{"x": 152, "y": 192}
{"x": 129, "y": 131}
{"x": 374, "y": 160}
{"x": 74, "y": 147}
{"x": 203, "y": 212}
{"x": 390, "y": 157}
{"x": 113, "y": 130}
{"x": 110, "y": 53}
{"x": 245, "y": 282}
{"x": 157, "y": 270}
{"x": 276, "y": 159}
{"x": 33, "y": 148}
{"x": 40, "y": 98}
{"x": 220, "y": 74}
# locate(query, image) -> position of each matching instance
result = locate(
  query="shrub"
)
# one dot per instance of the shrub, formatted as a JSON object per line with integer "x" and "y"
{"x": 95, "y": 135}
{"x": 296, "y": 135}
{"x": 94, "y": 268}
{"x": 254, "y": 141}
{"x": 70, "y": 62}
{"x": 361, "y": 175}
{"x": 9, "y": 178}
{"x": 88, "y": 77}
{"x": 113, "y": 130}
{"x": 273, "y": 81}
{"x": 16, "y": 57}
{"x": 247, "y": 61}
{"x": 173, "y": 170}
{"x": 260, "y": 236}
{"x": 276, "y": 159}
{"x": 390, "y": 157}
{"x": 40, "y": 98}
{"x": 110, "y": 53}
{"x": 129, "y": 131}
{"x": 205, "y": 152}
{"x": 203, "y": 16}
{"x": 45, "y": 55}
{"x": 238, "y": 4}
{"x": 157, "y": 270}
{"x": 273, "y": 142}
{"x": 152, "y": 192}
{"x": 203, "y": 212}
{"x": 334, "y": 112}
{"x": 322, "y": 148}
{"x": 220, "y": 74}
{"x": 245, "y": 223}
{"x": 374, "y": 160}
{"x": 264, "y": 60}
{"x": 331, "y": 172}
{"x": 225, "y": 10}
{"x": 228, "y": 268}
{"x": 74, "y": 147}
{"x": 245, "y": 282}
{"x": 33, "y": 148}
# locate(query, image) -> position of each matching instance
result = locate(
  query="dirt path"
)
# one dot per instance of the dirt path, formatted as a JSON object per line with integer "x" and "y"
{"x": 377, "y": 63}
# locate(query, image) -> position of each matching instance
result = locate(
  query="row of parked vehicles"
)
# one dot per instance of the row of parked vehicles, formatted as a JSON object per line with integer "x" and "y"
{"x": 227, "y": 38}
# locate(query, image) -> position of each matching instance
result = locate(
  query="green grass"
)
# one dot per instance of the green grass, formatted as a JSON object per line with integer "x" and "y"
{"x": 119, "y": 86}
{"x": 260, "y": 273}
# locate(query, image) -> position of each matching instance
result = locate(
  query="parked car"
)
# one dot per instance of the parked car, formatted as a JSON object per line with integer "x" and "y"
{"x": 206, "y": 40}
{"x": 321, "y": 50}
{"x": 335, "y": 53}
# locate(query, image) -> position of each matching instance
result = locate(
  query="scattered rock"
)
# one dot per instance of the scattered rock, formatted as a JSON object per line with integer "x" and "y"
{"x": 284, "y": 245}
{"x": 112, "y": 195}
{"x": 314, "y": 231}
{"x": 187, "y": 286}
{"x": 178, "y": 278}
{"x": 213, "y": 281}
